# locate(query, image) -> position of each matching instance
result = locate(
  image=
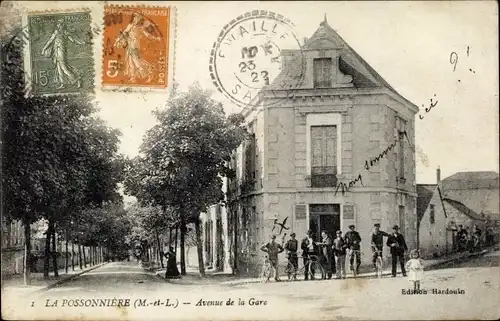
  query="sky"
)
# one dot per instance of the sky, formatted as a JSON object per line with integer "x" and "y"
{"x": 408, "y": 43}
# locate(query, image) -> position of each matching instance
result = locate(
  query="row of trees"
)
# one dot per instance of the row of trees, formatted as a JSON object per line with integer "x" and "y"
{"x": 184, "y": 157}
{"x": 60, "y": 162}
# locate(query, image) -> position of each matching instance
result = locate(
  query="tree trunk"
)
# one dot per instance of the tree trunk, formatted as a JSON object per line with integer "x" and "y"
{"x": 66, "y": 264}
{"x": 176, "y": 238}
{"x": 199, "y": 247}
{"x": 84, "y": 258}
{"x": 80, "y": 255}
{"x": 160, "y": 249}
{"x": 183, "y": 236}
{"x": 72, "y": 255}
{"x": 54, "y": 251}
{"x": 235, "y": 256}
{"x": 46, "y": 257}
{"x": 27, "y": 253}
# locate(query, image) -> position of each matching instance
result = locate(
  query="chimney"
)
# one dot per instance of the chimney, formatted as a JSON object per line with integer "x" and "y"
{"x": 438, "y": 175}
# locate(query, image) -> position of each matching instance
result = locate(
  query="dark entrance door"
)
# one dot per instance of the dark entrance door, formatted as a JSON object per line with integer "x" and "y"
{"x": 324, "y": 217}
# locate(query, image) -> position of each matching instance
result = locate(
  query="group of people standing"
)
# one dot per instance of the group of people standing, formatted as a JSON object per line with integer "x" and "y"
{"x": 468, "y": 240}
{"x": 333, "y": 253}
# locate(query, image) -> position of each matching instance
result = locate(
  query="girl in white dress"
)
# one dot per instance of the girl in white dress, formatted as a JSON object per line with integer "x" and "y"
{"x": 416, "y": 269}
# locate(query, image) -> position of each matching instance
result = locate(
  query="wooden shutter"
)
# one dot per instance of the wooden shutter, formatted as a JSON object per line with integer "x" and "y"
{"x": 323, "y": 155}
{"x": 322, "y": 72}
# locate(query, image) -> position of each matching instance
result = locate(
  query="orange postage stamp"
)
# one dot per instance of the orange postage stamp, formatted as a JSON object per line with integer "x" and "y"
{"x": 137, "y": 46}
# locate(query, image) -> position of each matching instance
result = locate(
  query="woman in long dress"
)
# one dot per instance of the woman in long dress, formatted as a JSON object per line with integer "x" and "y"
{"x": 172, "y": 271}
{"x": 56, "y": 47}
{"x": 135, "y": 66}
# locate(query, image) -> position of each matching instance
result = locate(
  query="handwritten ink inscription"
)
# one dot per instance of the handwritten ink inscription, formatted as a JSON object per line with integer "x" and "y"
{"x": 280, "y": 225}
{"x": 454, "y": 61}
{"x": 431, "y": 105}
{"x": 345, "y": 187}
{"x": 454, "y": 58}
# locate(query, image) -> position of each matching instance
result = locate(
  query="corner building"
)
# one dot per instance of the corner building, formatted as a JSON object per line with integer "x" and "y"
{"x": 308, "y": 141}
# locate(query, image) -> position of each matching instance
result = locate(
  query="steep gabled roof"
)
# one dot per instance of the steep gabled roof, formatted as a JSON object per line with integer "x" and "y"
{"x": 350, "y": 62}
{"x": 464, "y": 209}
{"x": 425, "y": 192}
{"x": 471, "y": 180}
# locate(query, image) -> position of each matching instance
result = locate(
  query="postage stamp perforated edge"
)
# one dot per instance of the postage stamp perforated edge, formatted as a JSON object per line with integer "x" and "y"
{"x": 27, "y": 52}
{"x": 171, "y": 53}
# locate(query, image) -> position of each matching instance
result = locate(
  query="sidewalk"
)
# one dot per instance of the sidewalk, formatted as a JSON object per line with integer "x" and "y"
{"x": 221, "y": 278}
{"x": 434, "y": 263}
{"x": 15, "y": 283}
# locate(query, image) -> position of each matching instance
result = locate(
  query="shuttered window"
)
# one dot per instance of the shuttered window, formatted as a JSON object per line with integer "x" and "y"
{"x": 401, "y": 152}
{"x": 324, "y": 156}
{"x": 322, "y": 72}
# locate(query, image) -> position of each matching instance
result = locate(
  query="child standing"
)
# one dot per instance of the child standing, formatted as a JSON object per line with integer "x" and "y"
{"x": 415, "y": 268}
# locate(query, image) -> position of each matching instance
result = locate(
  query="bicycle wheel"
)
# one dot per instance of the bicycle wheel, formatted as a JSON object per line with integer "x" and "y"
{"x": 288, "y": 270}
{"x": 316, "y": 270}
{"x": 379, "y": 267}
{"x": 265, "y": 274}
{"x": 353, "y": 258}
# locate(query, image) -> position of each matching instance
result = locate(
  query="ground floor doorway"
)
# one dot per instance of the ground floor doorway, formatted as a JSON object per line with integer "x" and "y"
{"x": 324, "y": 217}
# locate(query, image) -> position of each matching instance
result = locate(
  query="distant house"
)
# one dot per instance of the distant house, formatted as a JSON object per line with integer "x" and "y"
{"x": 443, "y": 206}
{"x": 477, "y": 190}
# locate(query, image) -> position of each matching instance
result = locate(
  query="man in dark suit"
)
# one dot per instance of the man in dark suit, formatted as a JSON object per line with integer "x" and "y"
{"x": 397, "y": 243}
{"x": 353, "y": 240}
{"x": 326, "y": 254}
{"x": 308, "y": 247}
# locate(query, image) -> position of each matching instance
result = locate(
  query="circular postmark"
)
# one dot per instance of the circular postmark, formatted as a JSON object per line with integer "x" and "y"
{"x": 258, "y": 50}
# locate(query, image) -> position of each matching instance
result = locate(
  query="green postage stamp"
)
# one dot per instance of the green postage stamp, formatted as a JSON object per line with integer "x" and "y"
{"x": 59, "y": 57}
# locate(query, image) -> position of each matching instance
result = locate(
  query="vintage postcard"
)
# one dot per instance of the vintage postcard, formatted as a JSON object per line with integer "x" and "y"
{"x": 250, "y": 160}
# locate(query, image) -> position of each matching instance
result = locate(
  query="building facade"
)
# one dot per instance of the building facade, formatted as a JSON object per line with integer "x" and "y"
{"x": 216, "y": 253}
{"x": 335, "y": 150}
{"x": 12, "y": 247}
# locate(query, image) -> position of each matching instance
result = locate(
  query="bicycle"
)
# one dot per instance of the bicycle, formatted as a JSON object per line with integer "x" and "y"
{"x": 379, "y": 264}
{"x": 357, "y": 254}
{"x": 290, "y": 270}
{"x": 266, "y": 270}
{"x": 315, "y": 269}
